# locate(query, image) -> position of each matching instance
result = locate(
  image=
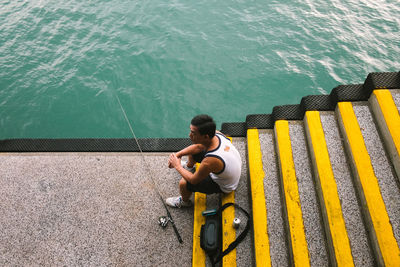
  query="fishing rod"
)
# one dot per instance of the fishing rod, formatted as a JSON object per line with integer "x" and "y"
{"x": 163, "y": 220}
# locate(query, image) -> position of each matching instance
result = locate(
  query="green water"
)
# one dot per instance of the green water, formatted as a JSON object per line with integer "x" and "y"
{"x": 62, "y": 63}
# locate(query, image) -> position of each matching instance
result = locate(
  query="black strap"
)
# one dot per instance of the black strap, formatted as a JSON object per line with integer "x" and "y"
{"x": 239, "y": 239}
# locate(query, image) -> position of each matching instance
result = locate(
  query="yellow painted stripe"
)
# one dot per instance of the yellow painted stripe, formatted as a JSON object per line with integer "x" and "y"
{"x": 391, "y": 115}
{"x": 298, "y": 243}
{"x": 330, "y": 197}
{"x": 200, "y": 205}
{"x": 383, "y": 231}
{"x": 228, "y": 232}
{"x": 261, "y": 240}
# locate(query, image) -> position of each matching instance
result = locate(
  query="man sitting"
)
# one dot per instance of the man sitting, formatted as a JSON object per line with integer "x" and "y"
{"x": 220, "y": 163}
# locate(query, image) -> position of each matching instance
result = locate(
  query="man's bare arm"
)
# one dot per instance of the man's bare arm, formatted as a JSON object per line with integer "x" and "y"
{"x": 190, "y": 150}
{"x": 207, "y": 166}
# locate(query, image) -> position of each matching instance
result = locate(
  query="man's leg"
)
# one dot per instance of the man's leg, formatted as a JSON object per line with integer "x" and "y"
{"x": 185, "y": 193}
{"x": 190, "y": 163}
{"x": 207, "y": 186}
{"x": 182, "y": 200}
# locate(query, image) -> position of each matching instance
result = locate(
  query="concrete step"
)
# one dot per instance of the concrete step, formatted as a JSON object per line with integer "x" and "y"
{"x": 374, "y": 179}
{"x": 345, "y": 231}
{"x": 328, "y": 217}
{"x": 244, "y": 254}
{"x": 339, "y": 196}
{"x": 323, "y": 165}
{"x": 270, "y": 247}
{"x": 307, "y": 245}
{"x": 386, "y": 113}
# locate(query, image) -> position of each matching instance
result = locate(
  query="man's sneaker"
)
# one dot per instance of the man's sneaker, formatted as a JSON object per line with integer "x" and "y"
{"x": 184, "y": 165}
{"x": 177, "y": 202}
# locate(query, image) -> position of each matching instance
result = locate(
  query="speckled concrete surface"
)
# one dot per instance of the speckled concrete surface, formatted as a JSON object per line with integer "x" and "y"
{"x": 244, "y": 251}
{"x": 276, "y": 225}
{"x": 383, "y": 170}
{"x": 358, "y": 236}
{"x": 75, "y": 209}
{"x": 396, "y": 97}
{"x": 315, "y": 234}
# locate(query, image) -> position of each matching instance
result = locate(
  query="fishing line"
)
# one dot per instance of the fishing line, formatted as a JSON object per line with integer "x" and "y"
{"x": 165, "y": 219}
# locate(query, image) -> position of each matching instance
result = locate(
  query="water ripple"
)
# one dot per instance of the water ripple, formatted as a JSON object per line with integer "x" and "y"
{"x": 61, "y": 63}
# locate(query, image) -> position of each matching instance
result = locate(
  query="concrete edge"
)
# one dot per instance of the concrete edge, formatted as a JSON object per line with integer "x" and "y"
{"x": 389, "y": 239}
{"x": 256, "y": 176}
{"x": 328, "y": 231}
{"x": 299, "y": 253}
{"x": 382, "y": 121}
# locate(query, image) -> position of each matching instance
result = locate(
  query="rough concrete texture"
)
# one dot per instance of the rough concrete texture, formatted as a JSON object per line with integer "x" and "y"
{"x": 244, "y": 251}
{"x": 79, "y": 209}
{"x": 312, "y": 217}
{"x": 396, "y": 97}
{"x": 356, "y": 231}
{"x": 275, "y": 221}
{"x": 381, "y": 164}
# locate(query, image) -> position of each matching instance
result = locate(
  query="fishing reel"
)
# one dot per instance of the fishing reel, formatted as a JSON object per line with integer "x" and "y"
{"x": 163, "y": 221}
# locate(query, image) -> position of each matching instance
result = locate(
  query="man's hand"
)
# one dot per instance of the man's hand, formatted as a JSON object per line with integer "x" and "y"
{"x": 173, "y": 161}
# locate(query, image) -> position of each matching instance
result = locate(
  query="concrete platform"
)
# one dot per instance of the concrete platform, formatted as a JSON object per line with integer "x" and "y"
{"x": 89, "y": 209}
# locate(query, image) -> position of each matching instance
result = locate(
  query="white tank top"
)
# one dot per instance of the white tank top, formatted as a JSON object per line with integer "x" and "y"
{"x": 228, "y": 178}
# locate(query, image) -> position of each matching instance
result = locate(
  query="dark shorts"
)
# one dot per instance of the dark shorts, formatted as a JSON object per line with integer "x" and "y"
{"x": 199, "y": 157}
{"x": 207, "y": 186}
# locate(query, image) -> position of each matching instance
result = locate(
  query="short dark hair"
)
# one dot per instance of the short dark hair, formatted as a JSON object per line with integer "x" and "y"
{"x": 205, "y": 124}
